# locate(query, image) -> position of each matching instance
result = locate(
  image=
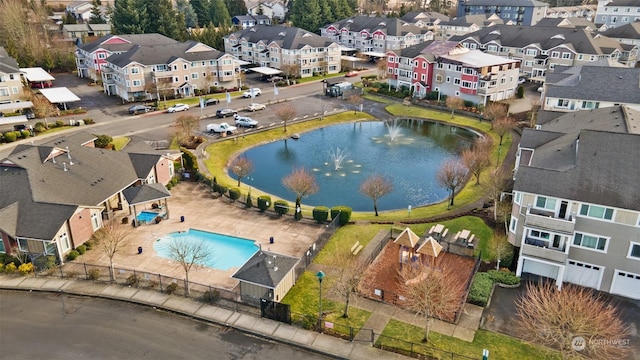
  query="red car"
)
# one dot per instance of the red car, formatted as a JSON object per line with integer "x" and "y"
{"x": 41, "y": 85}
{"x": 351, "y": 74}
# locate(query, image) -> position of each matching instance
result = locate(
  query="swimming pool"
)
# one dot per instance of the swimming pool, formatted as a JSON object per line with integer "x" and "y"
{"x": 226, "y": 251}
{"x": 146, "y": 216}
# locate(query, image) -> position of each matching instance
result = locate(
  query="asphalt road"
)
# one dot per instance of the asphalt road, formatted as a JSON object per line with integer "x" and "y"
{"x": 58, "y": 326}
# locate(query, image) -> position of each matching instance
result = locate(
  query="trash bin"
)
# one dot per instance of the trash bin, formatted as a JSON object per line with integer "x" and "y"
{"x": 139, "y": 249}
{"x": 271, "y": 240}
{"x": 182, "y": 218}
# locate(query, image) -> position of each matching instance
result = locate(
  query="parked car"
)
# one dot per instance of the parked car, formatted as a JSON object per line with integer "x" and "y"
{"x": 41, "y": 85}
{"x": 256, "y": 107}
{"x": 208, "y": 102}
{"x": 247, "y": 94}
{"x": 221, "y": 128}
{"x": 29, "y": 113}
{"x": 521, "y": 81}
{"x": 541, "y": 89}
{"x": 138, "y": 109}
{"x": 178, "y": 107}
{"x": 244, "y": 121}
{"x": 222, "y": 113}
{"x": 351, "y": 74}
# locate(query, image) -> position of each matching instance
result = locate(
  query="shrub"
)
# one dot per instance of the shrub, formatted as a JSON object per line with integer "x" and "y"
{"x": 1, "y": 267}
{"x": 7, "y": 259}
{"x": 81, "y": 249}
{"x": 468, "y": 103}
{"x": 483, "y": 283}
{"x": 59, "y": 123}
{"x": 50, "y": 262}
{"x": 93, "y": 274}
{"x": 25, "y": 134}
{"x": 88, "y": 121}
{"x": 10, "y": 268}
{"x": 520, "y": 92}
{"x": 234, "y": 194}
{"x": 72, "y": 255}
{"x": 264, "y": 202}
{"x": 211, "y": 296}
{"x": 39, "y": 128}
{"x": 40, "y": 124}
{"x": 171, "y": 288}
{"x": 190, "y": 160}
{"x": 504, "y": 277}
{"x": 222, "y": 189}
{"x": 320, "y": 214}
{"x": 26, "y": 268}
{"x": 10, "y": 136}
{"x": 249, "y": 202}
{"x": 507, "y": 258}
{"x": 89, "y": 244}
{"x": 281, "y": 207}
{"x": 133, "y": 279}
{"x": 102, "y": 141}
{"x": 345, "y": 214}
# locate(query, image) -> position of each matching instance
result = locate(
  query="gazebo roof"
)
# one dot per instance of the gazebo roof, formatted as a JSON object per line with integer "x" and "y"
{"x": 407, "y": 238}
{"x": 430, "y": 247}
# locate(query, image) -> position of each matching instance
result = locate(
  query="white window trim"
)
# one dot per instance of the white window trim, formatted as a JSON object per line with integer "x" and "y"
{"x": 606, "y": 244}
{"x": 513, "y": 225}
{"x": 613, "y": 215}
{"x": 631, "y": 244}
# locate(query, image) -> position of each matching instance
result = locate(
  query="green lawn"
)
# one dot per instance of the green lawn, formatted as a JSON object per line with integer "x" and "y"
{"x": 195, "y": 101}
{"x": 377, "y": 98}
{"x": 120, "y": 142}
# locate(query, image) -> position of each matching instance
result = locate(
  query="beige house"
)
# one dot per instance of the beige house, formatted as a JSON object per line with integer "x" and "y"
{"x": 10, "y": 80}
{"x": 266, "y": 276}
{"x": 170, "y": 70}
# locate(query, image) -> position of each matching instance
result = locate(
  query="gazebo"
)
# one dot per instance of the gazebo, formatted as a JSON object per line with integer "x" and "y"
{"x": 407, "y": 241}
{"x": 431, "y": 248}
{"x": 146, "y": 193}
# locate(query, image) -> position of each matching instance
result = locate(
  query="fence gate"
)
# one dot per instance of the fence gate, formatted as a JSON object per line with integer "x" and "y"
{"x": 275, "y": 311}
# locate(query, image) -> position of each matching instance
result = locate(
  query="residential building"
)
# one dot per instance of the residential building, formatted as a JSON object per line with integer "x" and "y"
{"x": 173, "y": 70}
{"x": 54, "y": 196}
{"x": 467, "y": 24}
{"x": 375, "y": 34}
{"x": 10, "y": 80}
{"x": 521, "y": 12}
{"x": 453, "y": 70}
{"x": 626, "y": 34}
{"x": 542, "y": 48}
{"x": 610, "y": 14}
{"x": 81, "y": 10}
{"x": 82, "y": 31}
{"x": 576, "y": 214}
{"x": 567, "y": 23}
{"x": 587, "y": 12}
{"x": 274, "y": 10}
{"x": 247, "y": 21}
{"x": 580, "y": 88}
{"x": 427, "y": 19}
{"x": 282, "y": 47}
{"x": 90, "y": 57}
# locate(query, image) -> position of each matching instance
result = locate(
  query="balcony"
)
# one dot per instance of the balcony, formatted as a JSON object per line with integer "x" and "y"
{"x": 405, "y": 66}
{"x": 547, "y": 221}
{"x": 158, "y": 74}
{"x": 538, "y": 248}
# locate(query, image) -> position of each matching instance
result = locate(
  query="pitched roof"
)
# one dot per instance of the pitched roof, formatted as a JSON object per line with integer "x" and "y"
{"x": 629, "y": 31}
{"x": 503, "y": 3}
{"x": 8, "y": 65}
{"x": 407, "y": 238}
{"x": 130, "y": 40}
{"x": 266, "y": 269}
{"x": 163, "y": 54}
{"x": 594, "y": 169}
{"x": 477, "y": 19}
{"x": 623, "y": 3}
{"x": 145, "y": 193}
{"x": 429, "y": 49}
{"x": 415, "y": 16}
{"x": 286, "y": 37}
{"x": 389, "y": 26}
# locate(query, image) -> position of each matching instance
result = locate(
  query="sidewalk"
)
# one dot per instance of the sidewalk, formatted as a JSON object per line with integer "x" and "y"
{"x": 268, "y": 329}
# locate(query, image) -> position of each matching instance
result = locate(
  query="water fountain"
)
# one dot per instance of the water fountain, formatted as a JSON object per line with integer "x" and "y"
{"x": 338, "y": 155}
{"x": 394, "y": 129}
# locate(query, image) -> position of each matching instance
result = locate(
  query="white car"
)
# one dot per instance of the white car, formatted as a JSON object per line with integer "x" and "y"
{"x": 178, "y": 107}
{"x": 521, "y": 81}
{"x": 247, "y": 94}
{"x": 256, "y": 107}
{"x": 244, "y": 121}
{"x": 221, "y": 128}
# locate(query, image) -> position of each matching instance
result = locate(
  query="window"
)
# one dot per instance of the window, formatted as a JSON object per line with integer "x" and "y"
{"x": 513, "y": 224}
{"x": 634, "y": 251}
{"x": 194, "y": 75}
{"x": 517, "y": 197}
{"x": 598, "y": 212}
{"x": 95, "y": 221}
{"x": 566, "y": 55}
{"x": 467, "y": 84}
{"x": 532, "y": 52}
{"x": 590, "y": 241}
{"x": 448, "y": 80}
{"x": 539, "y": 234}
{"x": 137, "y": 83}
{"x": 185, "y": 66}
{"x": 2, "y": 249}
{"x": 22, "y": 245}
{"x": 102, "y": 56}
{"x": 545, "y": 203}
{"x": 135, "y": 70}
{"x": 590, "y": 104}
{"x": 456, "y": 81}
{"x": 563, "y": 103}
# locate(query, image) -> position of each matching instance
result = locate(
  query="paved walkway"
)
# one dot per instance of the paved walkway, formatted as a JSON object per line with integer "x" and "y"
{"x": 269, "y": 329}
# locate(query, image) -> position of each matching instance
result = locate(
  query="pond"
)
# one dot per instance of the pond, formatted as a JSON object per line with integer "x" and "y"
{"x": 405, "y": 151}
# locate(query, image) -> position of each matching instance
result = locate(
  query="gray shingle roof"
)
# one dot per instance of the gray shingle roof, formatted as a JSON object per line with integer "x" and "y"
{"x": 133, "y": 39}
{"x": 266, "y": 269}
{"x": 162, "y": 54}
{"x": 8, "y": 65}
{"x": 468, "y": 20}
{"x": 428, "y": 49}
{"x": 286, "y": 37}
{"x": 633, "y": 3}
{"x": 503, "y": 3}
{"x": 390, "y": 26}
{"x": 629, "y": 31}
{"x": 428, "y": 16}
{"x": 623, "y": 84}
{"x": 597, "y": 172}
{"x": 145, "y": 193}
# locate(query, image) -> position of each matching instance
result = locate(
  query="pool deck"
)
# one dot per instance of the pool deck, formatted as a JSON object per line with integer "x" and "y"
{"x": 202, "y": 211}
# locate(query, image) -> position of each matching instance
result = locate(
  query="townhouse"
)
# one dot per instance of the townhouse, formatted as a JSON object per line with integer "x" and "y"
{"x": 467, "y": 24}
{"x": 569, "y": 89}
{"x": 54, "y": 196}
{"x": 81, "y": 31}
{"x": 275, "y": 10}
{"x": 427, "y": 19}
{"x": 453, "y": 70}
{"x": 521, "y": 12}
{"x": 611, "y": 14}
{"x": 579, "y": 11}
{"x": 576, "y": 206}
{"x": 90, "y": 57}
{"x": 283, "y": 48}
{"x": 626, "y": 34}
{"x": 543, "y": 48}
{"x": 172, "y": 70}
{"x": 247, "y": 21}
{"x": 10, "y": 79}
{"x": 375, "y": 34}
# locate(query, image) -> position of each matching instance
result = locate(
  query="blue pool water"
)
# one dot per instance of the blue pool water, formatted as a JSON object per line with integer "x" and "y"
{"x": 226, "y": 251}
{"x": 146, "y": 216}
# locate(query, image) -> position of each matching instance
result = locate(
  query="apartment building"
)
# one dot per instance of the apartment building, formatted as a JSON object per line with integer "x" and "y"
{"x": 521, "y": 12}
{"x": 282, "y": 47}
{"x": 170, "y": 70}
{"x": 576, "y": 211}
{"x": 10, "y": 79}
{"x": 453, "y": 70}
{"x": 376, "y": 34}
{"x": 611, "y": 14}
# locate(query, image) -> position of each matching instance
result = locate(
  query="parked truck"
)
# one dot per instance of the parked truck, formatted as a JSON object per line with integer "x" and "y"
{"x": 338, "y": 89}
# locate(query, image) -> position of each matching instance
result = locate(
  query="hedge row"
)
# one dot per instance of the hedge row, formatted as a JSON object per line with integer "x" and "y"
{"x": 483, "y": 283}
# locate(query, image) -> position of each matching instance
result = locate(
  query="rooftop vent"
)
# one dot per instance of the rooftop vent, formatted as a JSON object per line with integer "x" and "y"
{"x": 559, "y": 36}
{"x": 495, "y": 32}
{"x": 281, "y": 33}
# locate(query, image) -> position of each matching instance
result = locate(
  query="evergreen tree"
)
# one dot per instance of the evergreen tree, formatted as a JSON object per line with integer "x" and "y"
{"x": 343, "y": 9}
{"x": 201, "y": 8}
{"x": 126, "y": 18}
{"x": 326, "y": 11}
{"x": 96, "y": 14}
{"x": 236, "y": 7}
{"x": 219, "y": 14}
{"x": 190, "y": 16}
{"x": 166, "y": 20}
{"x": 47, "y": 60}
{"x": 306, "y": 14}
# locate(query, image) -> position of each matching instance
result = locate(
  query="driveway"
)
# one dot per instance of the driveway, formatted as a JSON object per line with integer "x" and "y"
{"x": 90, "y": 95}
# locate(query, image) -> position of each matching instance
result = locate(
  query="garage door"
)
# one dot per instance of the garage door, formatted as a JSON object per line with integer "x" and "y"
{"x": 583, "y": 274}
{"x": 540, "y": 268}
{"x": 626, "y": 284}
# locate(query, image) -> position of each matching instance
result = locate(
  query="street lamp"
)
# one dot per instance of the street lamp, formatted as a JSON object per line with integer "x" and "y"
{"x": 320, "y": 276}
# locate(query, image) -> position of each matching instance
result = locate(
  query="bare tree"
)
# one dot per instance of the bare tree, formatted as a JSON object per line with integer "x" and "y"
{"x": 110, "y": 239}
{"x": 575, "y": 320}
{"x": 454, "y": 103}
{"x": 301, "y": 183}
{"x": 381, "y": 65}
{"x": 241, "y": 167}
{"x": 431, "y": 292}
{"x": 290, "y": 70}
{"x": 346, "y": 269}
{"x": 185, "y": 126}
{"x": 477, "y": 159}
{"x": 502, "y": 126}
{"x": 501, "y": 248}
{"x": 494, "y": 186}
{"x": 354, "y": 100}
{"x": 452, "y": 175}
{"x": 495, "y": 111}
{"x": 286, "y": 113}
{"x": 189, "y": 254}
{"x": 375, "y": 187}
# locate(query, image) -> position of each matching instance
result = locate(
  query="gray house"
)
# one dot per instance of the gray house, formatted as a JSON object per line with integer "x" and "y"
{"x": 266, "y": 275}
{"x": 576, "y": 204}
{"x": 521, "y": 12}
{"x": 615, "y": 13}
